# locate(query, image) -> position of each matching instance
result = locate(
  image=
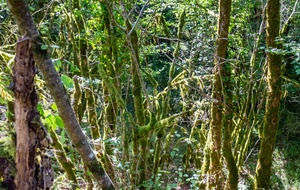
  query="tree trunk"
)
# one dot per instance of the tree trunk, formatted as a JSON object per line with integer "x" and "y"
{"x": 32, "y": 164}
{"x": 233, "y": 176}
{"x": 215, "y": 169}
{"x": 20, "y": 11}
{"x": 111, "y": 68}
{"x": 268, "y": 136}
{"x": 142, "y": 142}
{"x": 61, "y": 156}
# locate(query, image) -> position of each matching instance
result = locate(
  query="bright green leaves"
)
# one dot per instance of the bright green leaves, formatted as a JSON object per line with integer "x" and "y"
{"x": 54, "y": 107}
{"x": 67, "y": 81}
{"x": 59, "y": 122}
{"x": 57, "y": 64}
{"x": 53, "y": 119}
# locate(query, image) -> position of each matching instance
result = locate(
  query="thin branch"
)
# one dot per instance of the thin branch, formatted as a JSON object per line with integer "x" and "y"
{"x": 112, "y": 16}
{"x": 210, "y": 12}
{"x": 285, "y": 25}
{"x": 140, "y": 14}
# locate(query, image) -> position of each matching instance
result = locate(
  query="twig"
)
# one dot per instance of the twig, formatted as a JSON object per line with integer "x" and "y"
{"x": 140, "y": 14}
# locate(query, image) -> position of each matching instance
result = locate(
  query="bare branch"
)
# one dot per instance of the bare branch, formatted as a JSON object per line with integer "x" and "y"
{"x": 140, "y": 14}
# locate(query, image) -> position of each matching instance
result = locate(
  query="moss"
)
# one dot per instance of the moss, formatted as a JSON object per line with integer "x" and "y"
{"x": 164, "y": 25}
{"x": 217, "y": 94}
{"x": 67, "y": 165}
{"x": 179, "y": 32}
{"x": 233, "y": 176}
{"x": 77, "y": 97}
{"x": 156, "y": 161}
{"x": 268, "y": 138}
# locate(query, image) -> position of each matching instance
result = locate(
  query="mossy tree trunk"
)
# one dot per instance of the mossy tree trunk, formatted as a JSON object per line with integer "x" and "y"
{"x": 84, "y": 68}
{"x": 139, "y": 142}
{"x": 21, "y": 13}
{"x": 232, "y": 181}
{"x": 73, "y": 29}
{"x": 268, "y": 136}
{"x": 112, "y": 67}
{"x": 61, "y": 156}
{"x": 215, "y": 169}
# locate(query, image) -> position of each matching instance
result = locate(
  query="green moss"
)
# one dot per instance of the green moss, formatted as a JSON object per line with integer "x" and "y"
{"x": 67, "y": 165}
{"x": 268, "y": 138}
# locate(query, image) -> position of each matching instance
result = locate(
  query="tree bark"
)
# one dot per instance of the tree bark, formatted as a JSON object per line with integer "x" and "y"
{"x": 32, "y": 164}
{"x": 268, "y": 136}
{"x": 20, "y": 11}
{"x": 132, "y": 40}
{"x": 215, "y": 169}
{"x": 233, "y": 176}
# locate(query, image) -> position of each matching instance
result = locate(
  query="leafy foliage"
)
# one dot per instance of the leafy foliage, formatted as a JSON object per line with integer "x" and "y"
{"x": 90, "y": 48}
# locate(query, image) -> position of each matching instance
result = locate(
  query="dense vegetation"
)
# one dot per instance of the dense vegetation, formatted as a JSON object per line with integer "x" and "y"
{"x": 168, "y": 94}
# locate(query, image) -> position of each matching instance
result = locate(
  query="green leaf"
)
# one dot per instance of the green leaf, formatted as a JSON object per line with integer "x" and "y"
{"x": 54, "y": 121}
{"x": 54, "y": 107}
{"x": 62, "y": 136}
{"x": 59, "y": 122}
{"x": 57, "y": 64}
{"x": 40, "y": 109}
{"x": 44, "y": 47}
{"x": 171, "y": 186}
{"x": 50, "y": 121}
{"x": 73, "y": 67}
{"x": 67, "y": 81}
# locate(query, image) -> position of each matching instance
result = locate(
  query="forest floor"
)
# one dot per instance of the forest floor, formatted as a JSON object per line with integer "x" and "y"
{"x": 285, "y": 167}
